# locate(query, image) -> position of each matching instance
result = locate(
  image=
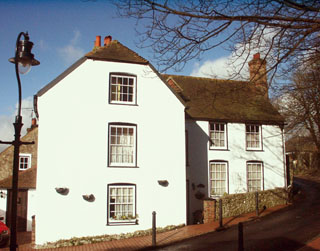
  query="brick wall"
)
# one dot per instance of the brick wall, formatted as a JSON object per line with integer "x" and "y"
{"x": 209, "y": 208}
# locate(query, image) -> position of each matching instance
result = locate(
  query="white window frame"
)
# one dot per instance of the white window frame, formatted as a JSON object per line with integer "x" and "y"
{"x": 255, "y": 176}
{"x": 117, "y": 89}
{"x": 124, "y": 204}
{"x": 218, "y": 177}
{"x": 253, "y": 136}
{"x": 24, "y": 156}
{"x": 124, "y": 138}
{"x": 213, "y": 133}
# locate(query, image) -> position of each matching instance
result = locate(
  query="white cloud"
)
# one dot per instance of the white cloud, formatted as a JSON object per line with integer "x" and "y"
{"x": 6, "y": 122}
{"x": 234, "y": 66}
{"x": 71, "y": 52}
{"x": 222, "y": 68}
{"x": 212, "y": 68}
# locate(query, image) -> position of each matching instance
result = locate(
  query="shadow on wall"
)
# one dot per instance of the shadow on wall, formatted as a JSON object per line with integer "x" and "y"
{"x": 197, "y": 170}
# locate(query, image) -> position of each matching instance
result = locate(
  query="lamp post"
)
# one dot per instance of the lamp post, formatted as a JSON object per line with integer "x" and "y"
{"x": 23, "y": 60}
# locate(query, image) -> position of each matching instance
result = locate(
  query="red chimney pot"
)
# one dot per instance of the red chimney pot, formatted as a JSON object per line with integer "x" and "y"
{"x": 34, "y": 122}
{"x": 97, "y": 43}
{"x": 256, "y": 56}
{"x": 107, "y": 40}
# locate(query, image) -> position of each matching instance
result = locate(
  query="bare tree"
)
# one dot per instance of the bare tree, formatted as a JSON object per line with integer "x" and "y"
{"x": 301, "y": 104}
{"x": 181, "y": 30}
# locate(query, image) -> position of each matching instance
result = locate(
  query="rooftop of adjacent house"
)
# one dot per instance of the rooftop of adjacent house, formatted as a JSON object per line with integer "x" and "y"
{"x": 223, "y": 100}
{"x": 113, "y": 50}
{"x": 27, "y": 179}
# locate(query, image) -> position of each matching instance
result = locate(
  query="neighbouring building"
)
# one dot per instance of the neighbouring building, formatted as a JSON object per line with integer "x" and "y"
{"x": 27, "y": 180}
{"x": 234, "y": 136}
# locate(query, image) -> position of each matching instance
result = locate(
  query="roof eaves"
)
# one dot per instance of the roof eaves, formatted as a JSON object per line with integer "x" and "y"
{"x": 116, "y": 60}
{"x": 244, "y": 121}
{"x": 61, "y": 76}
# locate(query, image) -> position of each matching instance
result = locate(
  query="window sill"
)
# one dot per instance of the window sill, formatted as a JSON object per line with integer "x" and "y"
{"x": 122, "y": 223}
{"x": 129, "y": 104}
{"x": 115, "y": 166}
{"x": 255, "y": 150}
{"x": 215, "y": 197}
{"x": 219, "y": 149}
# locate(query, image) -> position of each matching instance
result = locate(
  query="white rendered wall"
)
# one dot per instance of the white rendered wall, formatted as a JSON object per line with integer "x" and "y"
{"x": 31, "y": 208}
{"x": 236, "y": 155}
{"x": 73, "y": 125}
{"x": 3, "y": 204}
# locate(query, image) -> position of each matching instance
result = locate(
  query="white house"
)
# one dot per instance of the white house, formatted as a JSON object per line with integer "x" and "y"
{"x": 117, "y": 141}
{"x": 234, "y": 136}
{"x": 111, "y": 148}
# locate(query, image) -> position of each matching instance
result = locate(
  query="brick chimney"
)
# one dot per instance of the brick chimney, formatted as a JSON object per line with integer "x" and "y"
{"x": 258, "y": 74}
{"x": 107, "y": 40}
{"x": 97, "y": 43}
{"x": 33, "y": 125}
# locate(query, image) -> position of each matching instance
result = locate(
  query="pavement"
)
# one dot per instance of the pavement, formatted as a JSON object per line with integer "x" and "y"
{"x": 164, "y": 239}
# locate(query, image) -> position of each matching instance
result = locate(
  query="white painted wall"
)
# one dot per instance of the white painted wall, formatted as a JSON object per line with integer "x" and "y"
{"x": 237, "y": 157}
{"x": 31, "y": 207}
{"x": 72, "y": 152}
{"x": 3, "y": 204}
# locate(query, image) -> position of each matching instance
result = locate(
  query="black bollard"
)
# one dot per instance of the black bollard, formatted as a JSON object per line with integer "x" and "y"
{"x": 240, "y": 237}
{"x": 220, "y": 214}
{"x": 220, "y": 228}
{"x": 154, "y": 229}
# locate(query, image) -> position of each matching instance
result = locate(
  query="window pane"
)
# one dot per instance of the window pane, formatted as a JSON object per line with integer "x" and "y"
{"x": 254, "y": 176}
{"x": 24, "y": 162}
{"x": 121, "y": 203}
{"x": 253, "y": 136}
{"x": 218, "y": 178}
{"x": 217, "y": 135}
{"x": 122, "y": 89}
{"x": 122, "y": 144}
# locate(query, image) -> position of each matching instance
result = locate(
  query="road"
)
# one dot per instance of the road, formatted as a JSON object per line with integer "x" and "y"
{"x": 287, "y": 229}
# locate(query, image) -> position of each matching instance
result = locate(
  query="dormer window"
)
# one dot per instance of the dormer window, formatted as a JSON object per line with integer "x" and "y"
{"x": 24, "y": 161}
{"x": 122, "y": 88}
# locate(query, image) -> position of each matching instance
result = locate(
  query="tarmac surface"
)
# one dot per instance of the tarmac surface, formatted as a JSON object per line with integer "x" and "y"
{"x": 287, "y": 227}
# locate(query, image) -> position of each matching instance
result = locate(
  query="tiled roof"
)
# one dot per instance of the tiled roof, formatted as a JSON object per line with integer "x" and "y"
{"x": 27, "y": 179}
{"x": 117, "y": 52}
{"x": 224, "y": 100}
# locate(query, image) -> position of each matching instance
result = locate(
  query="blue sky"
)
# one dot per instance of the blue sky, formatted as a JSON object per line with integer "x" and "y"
{"x": 62, "y": 32}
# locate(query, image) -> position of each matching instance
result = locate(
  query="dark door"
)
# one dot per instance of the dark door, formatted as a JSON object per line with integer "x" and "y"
{"x": 188, "y": 202}
{"x": 22, "y": 207}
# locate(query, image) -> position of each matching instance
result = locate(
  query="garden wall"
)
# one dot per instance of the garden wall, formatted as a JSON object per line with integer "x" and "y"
{"x": 237, "y": 204}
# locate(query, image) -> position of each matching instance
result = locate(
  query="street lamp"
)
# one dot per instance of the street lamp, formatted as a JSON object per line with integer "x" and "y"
{"x": 23, "y": 60}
